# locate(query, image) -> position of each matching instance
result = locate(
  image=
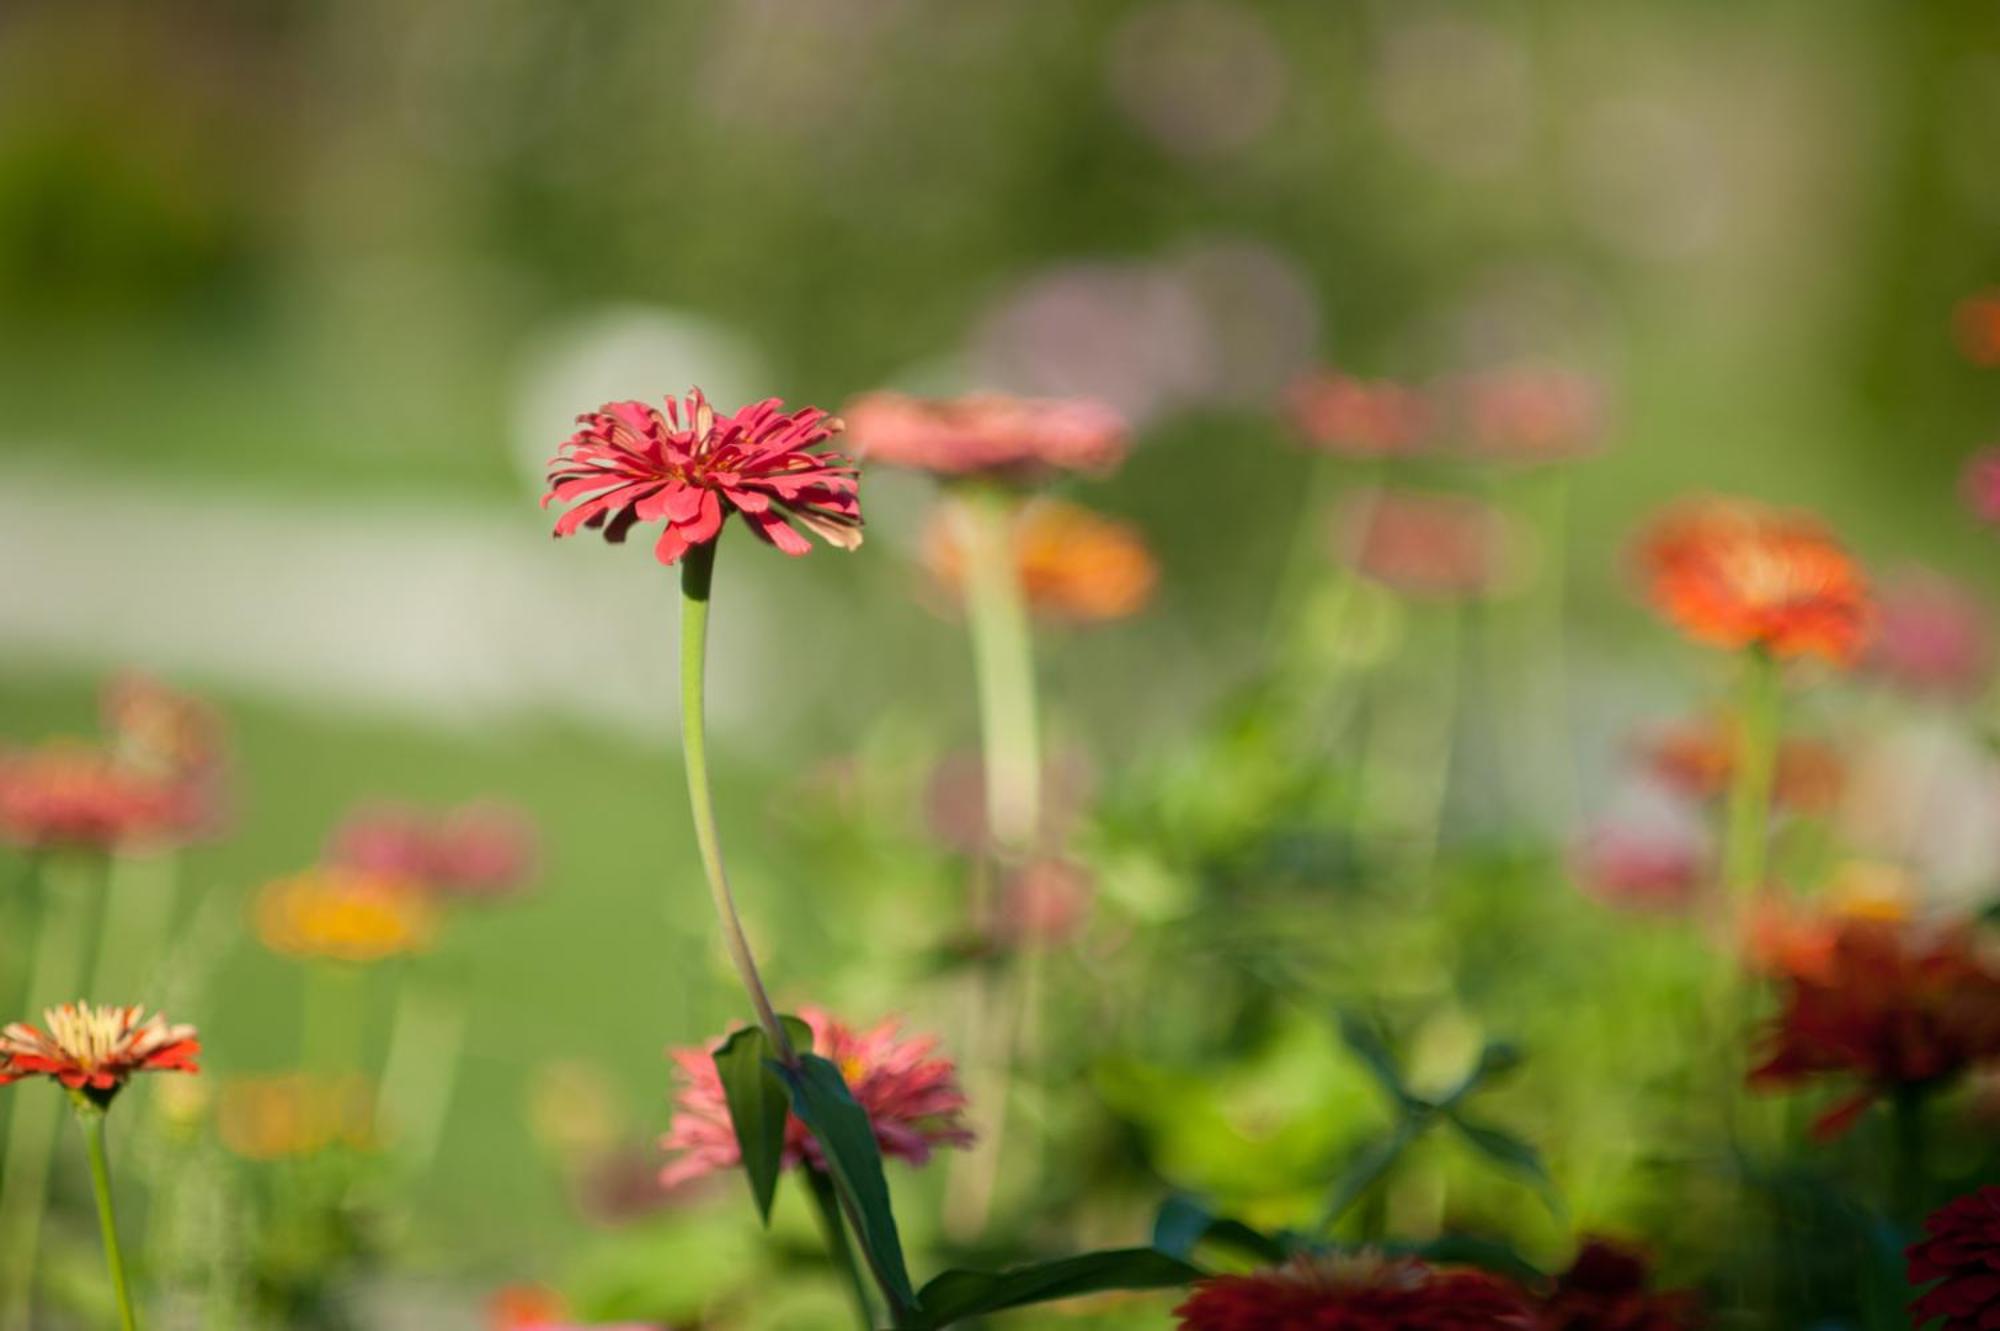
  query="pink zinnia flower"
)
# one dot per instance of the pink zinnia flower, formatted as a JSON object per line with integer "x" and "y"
{"x": 95, "y": 1049}
{"x": 1932, "y": 636}
{"x": 1437, "y": 546}
{"x": 988, "y": 434}
{"x": 68, "y": 793}
{"x": 479, "y": 850}
{"x": 1979, "y": 483}
{"x": 1636, "y": 867}
{"x": 1358, "y": 418}
{"x": 1529, "y": 414}
{"x": 913, "y": 1100}
{"x": 691, "y": 467}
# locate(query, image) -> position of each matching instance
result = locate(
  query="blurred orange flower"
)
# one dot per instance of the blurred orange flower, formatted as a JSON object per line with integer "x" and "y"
{"x": 1698, "y": 759}
{"x": 1896, "y": 1005}
{"x": 1733, "y": 573}
{"x": 295, "y": 1114}
{"x": 1074, "y": 564}
{"x": 343, "y": 915}
{"x": 1529, "y": 414}
{"x": 1977, "y": 323}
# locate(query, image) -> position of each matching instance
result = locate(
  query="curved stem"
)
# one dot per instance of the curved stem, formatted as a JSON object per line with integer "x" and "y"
{"x": 827, "y": 1203}
{"x": 697, "y": 574}
{"x": 91, "y": 1118}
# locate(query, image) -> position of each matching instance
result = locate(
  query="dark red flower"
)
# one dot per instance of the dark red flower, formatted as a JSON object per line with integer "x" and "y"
{"x": 1349, "y": 1293}
{"x": 691, "y": 467}
{"x": 1894, "y": 1005}
{"x": 1959, "y": 1258}
{"x": 1605, "y": 1290}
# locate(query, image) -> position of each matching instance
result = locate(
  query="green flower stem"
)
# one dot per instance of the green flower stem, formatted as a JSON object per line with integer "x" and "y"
{"x": 1003, "y": 665}
{"x": 826, "y": 1202}
{"x": 90, "y": 1116}
{"x": 1747, "y": 834}
{"x": 138, "y": 915}
{"x": 1906, "y": 1190}
{"x": 697, "y": 575}
{"x": 36, "y": 1119}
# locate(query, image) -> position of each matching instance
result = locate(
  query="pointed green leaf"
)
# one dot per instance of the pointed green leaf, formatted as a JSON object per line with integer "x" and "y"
{"x": 1361, "y": 1038}
{"x": 854, "y": 1161}
{"x": 960, "y": 1294}
{"x": 758, "y": 1105}
{"x": 1496, "y": 1060}
{"x": 1368, "y": 1166}
{"x": 1511, "y": 1152}
{"x": 1184, "y": 1223}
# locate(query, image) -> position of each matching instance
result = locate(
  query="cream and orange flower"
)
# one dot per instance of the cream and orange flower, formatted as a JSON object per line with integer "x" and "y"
{"x": 988, "y": 434}
{"x": 1733, "y": 573}
{"x": 94, "y": 1049}
{"x": 339, "y": 914}
{"x": 912, "y": 1097}
{"x": 1073, "y": 564}
{"x": 689, "y": 467}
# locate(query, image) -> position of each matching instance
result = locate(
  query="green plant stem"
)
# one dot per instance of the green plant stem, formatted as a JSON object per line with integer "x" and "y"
{"x": 1747, "y": 834}
{"x": 138, "y": 915}
{"x": 1906, "y": 1191}
{"x": 697, "y": 576}
{"x": 36, "y": 1119}
{"x": 826, "y": 1202}
{"x": 91, "y": 1117}
{"x": 1003, "y": 666}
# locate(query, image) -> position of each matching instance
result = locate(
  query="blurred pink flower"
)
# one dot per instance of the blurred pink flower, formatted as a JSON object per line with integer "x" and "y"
{"x": 1358, "y": 418}
{"x": 1651, "y": 869}
{"x": 1932, "y": 636}
{"x": 69, "y": 793}
{"x": 1045, "y": 902}
{"x": 1424, "y": 544}
{"x": 480, "y": 850}
{"x": 987, "y": 434}
{"x": 912, "y": 1099}
{"x": 1530, "y": 414}
{"x": 690, "y": 467}
{"x": 1979, "y": 483}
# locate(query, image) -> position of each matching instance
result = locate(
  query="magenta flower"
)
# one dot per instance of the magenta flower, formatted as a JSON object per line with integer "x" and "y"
{"x": 1932, "y": 636}
{"x": 988, "y": 434}
{"x": 1979, "y": 483}
{"x": 691, "y": 467}
{"x": 912, "y": 1098}
{"x": 481, "y": 850}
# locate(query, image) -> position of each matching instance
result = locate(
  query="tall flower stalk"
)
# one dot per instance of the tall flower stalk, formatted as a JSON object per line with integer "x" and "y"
{"x": 90, "y": 1117}
{"x": 1746, "y": 833}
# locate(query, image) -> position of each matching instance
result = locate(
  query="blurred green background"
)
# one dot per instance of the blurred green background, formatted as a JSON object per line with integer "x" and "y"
{"x": 294, "y": 298}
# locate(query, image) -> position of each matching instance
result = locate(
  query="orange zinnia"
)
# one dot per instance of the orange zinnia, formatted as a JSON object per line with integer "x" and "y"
{"x": 1733, "y": 573}
{"x": 1073, "y": 564}
{"x": 343, "y": 915}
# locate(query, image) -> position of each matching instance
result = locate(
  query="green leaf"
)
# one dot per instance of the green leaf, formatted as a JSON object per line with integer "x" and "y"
{"x": 1361, "y": 1038}
{"x": 1185, "y": 1223}
{"x": 758, "y": 1106}
{"x": 1368, "y": 1166}
{"x": 1496, "y": 1060}
{"x": 960, "y": 1294}
{"x": 1471, "y": 1250}
{"x": 847, "y": 1140}
{"x": 1511, "y": 1152}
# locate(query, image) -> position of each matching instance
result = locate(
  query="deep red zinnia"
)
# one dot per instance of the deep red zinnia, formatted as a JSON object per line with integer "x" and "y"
{"x": 1893, "y": 1005}
{"x": 1605, "y": 1289}
{"x": 690, "y": 467}
{"x": 1959, "y": 1258}
{"x": 1348, "y": 1293}
{"x": 95, "y": 1049}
